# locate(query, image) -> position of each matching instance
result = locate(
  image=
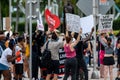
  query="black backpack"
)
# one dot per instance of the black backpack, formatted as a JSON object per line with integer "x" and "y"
{"x": 46, "y": 57}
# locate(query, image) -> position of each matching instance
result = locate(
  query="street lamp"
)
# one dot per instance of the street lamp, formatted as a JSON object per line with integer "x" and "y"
{"x": 95, "y": 72}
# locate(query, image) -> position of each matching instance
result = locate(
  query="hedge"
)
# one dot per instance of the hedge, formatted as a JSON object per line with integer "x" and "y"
{"x": 21, "y": 28}
{"x": 116, "y": 24}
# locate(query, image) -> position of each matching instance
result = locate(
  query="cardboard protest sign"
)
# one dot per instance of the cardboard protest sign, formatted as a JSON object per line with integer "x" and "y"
{"x": 73, "y": 22}
{"x": 87, "y": 23}
{"x": 105, "y": 23}
{"x": 52, "y": 20}
{"x": 40, "y": 23}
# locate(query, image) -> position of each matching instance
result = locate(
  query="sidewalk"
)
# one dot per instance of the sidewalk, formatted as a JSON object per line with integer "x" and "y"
{"x": 90, "y": 73}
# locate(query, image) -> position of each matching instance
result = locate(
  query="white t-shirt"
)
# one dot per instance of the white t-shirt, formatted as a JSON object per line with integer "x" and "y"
{"x": 17, "y": 48}
{"x": 3, "y": 59}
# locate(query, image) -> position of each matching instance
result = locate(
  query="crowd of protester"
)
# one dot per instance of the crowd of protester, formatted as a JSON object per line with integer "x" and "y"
{"x": 14, "y": 60}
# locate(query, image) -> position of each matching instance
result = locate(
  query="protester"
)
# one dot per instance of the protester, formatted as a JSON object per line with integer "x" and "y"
{"x": 101, "y": 54}
{"x": 80, "y": 58}
{"x": 53, "y": 46}
{"x": 118, "y": 59}
{"x": 19, "y": 50}
{"x": 6, "y": 59}
{"x": 35, "y": 58}
{"x": 26, "y": 57}
{"x": 88, "y": 52}
{"x": 71, "y": 61}
{"x": 108, "y": 56}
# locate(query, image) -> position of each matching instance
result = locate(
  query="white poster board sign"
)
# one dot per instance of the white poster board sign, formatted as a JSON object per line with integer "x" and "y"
{"x": 87, "y": 23}
{"x": 40, "y": 23}
{"x": 73, "y": 22}
{"x": 105, "y": 23}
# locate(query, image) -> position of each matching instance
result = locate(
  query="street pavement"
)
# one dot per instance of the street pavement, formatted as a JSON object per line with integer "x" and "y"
{"x": 90, "y": 73}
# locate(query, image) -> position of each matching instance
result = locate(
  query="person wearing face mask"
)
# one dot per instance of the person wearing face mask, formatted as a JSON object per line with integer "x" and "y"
{"x": 108, "y": 56}
{"x": 53, "y": 45}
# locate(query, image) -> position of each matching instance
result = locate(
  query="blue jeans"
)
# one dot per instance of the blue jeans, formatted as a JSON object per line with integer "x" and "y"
{"x": 86, "y": 60}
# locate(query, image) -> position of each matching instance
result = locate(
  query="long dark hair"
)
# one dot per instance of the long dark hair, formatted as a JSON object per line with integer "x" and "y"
{"x": 54, "y": 36}
{"x": 109, "y": 40}
{"x": 11, "y": 44}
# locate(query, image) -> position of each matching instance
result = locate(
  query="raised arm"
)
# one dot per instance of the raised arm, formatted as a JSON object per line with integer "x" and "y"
{"x": 78, "y": 38}
{"x": 103, "y": 41}
{"x": 86, "y": 39}
{"x": 67, "y": 31}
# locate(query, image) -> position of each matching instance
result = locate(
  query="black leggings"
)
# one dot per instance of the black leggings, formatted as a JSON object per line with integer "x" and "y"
{"x": 82, "y": 65}
{"x": 70, "y": 68}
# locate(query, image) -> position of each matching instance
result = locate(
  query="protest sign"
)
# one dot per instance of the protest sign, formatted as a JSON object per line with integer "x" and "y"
{"x": 73, "y": 22}
{"x": 105, "y": 23}
{"x": 52, "y": 20}
{"x": 40, "y": 23}
{"x": 87, "y": 23}
{"x": 62, "y": 58}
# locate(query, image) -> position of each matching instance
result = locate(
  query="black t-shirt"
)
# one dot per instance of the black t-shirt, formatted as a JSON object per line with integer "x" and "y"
{"x": 79, "y": 50}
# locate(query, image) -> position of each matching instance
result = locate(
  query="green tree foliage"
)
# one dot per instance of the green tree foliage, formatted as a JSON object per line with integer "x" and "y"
{"x": 116, "y": 24}
{"x": 117, "y": 2}
{"x": 5, "y": 8}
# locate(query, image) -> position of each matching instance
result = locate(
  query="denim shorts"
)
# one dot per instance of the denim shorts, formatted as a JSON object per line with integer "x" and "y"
{"x": 3, "y": 67}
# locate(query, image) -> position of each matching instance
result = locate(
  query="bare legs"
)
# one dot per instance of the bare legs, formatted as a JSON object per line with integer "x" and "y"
{"x": 110, "y": 70}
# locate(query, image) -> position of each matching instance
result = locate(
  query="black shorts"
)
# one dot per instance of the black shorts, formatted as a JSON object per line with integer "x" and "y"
{"x": 54, "y": 68}
{"x": 13, "y": 62}
{"x": 118, "y": 60}
{"x": 109, "y": 61}
{"x": 19, "y": 68}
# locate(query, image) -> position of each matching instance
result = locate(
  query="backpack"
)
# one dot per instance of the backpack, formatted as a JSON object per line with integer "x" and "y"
{"x": 1, "y": 51}
{"x": 46, "y": 57}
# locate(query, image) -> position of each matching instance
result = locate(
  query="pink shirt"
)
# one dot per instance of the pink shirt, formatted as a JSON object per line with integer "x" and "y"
{"x": 68, "y": 52}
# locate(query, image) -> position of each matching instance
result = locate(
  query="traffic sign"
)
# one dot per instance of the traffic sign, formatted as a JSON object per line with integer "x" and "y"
{"x": 87, "y": 8}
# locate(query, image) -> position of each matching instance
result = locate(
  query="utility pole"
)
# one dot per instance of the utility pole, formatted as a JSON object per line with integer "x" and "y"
{"x": 30, "y": 30}
{"x": 48, "y": 3}
{"x": 26, "y": 19}
{"x": 95, "y": 12}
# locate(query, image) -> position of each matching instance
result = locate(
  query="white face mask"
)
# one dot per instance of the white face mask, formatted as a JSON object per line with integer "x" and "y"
{"x": 49, "y": 39}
